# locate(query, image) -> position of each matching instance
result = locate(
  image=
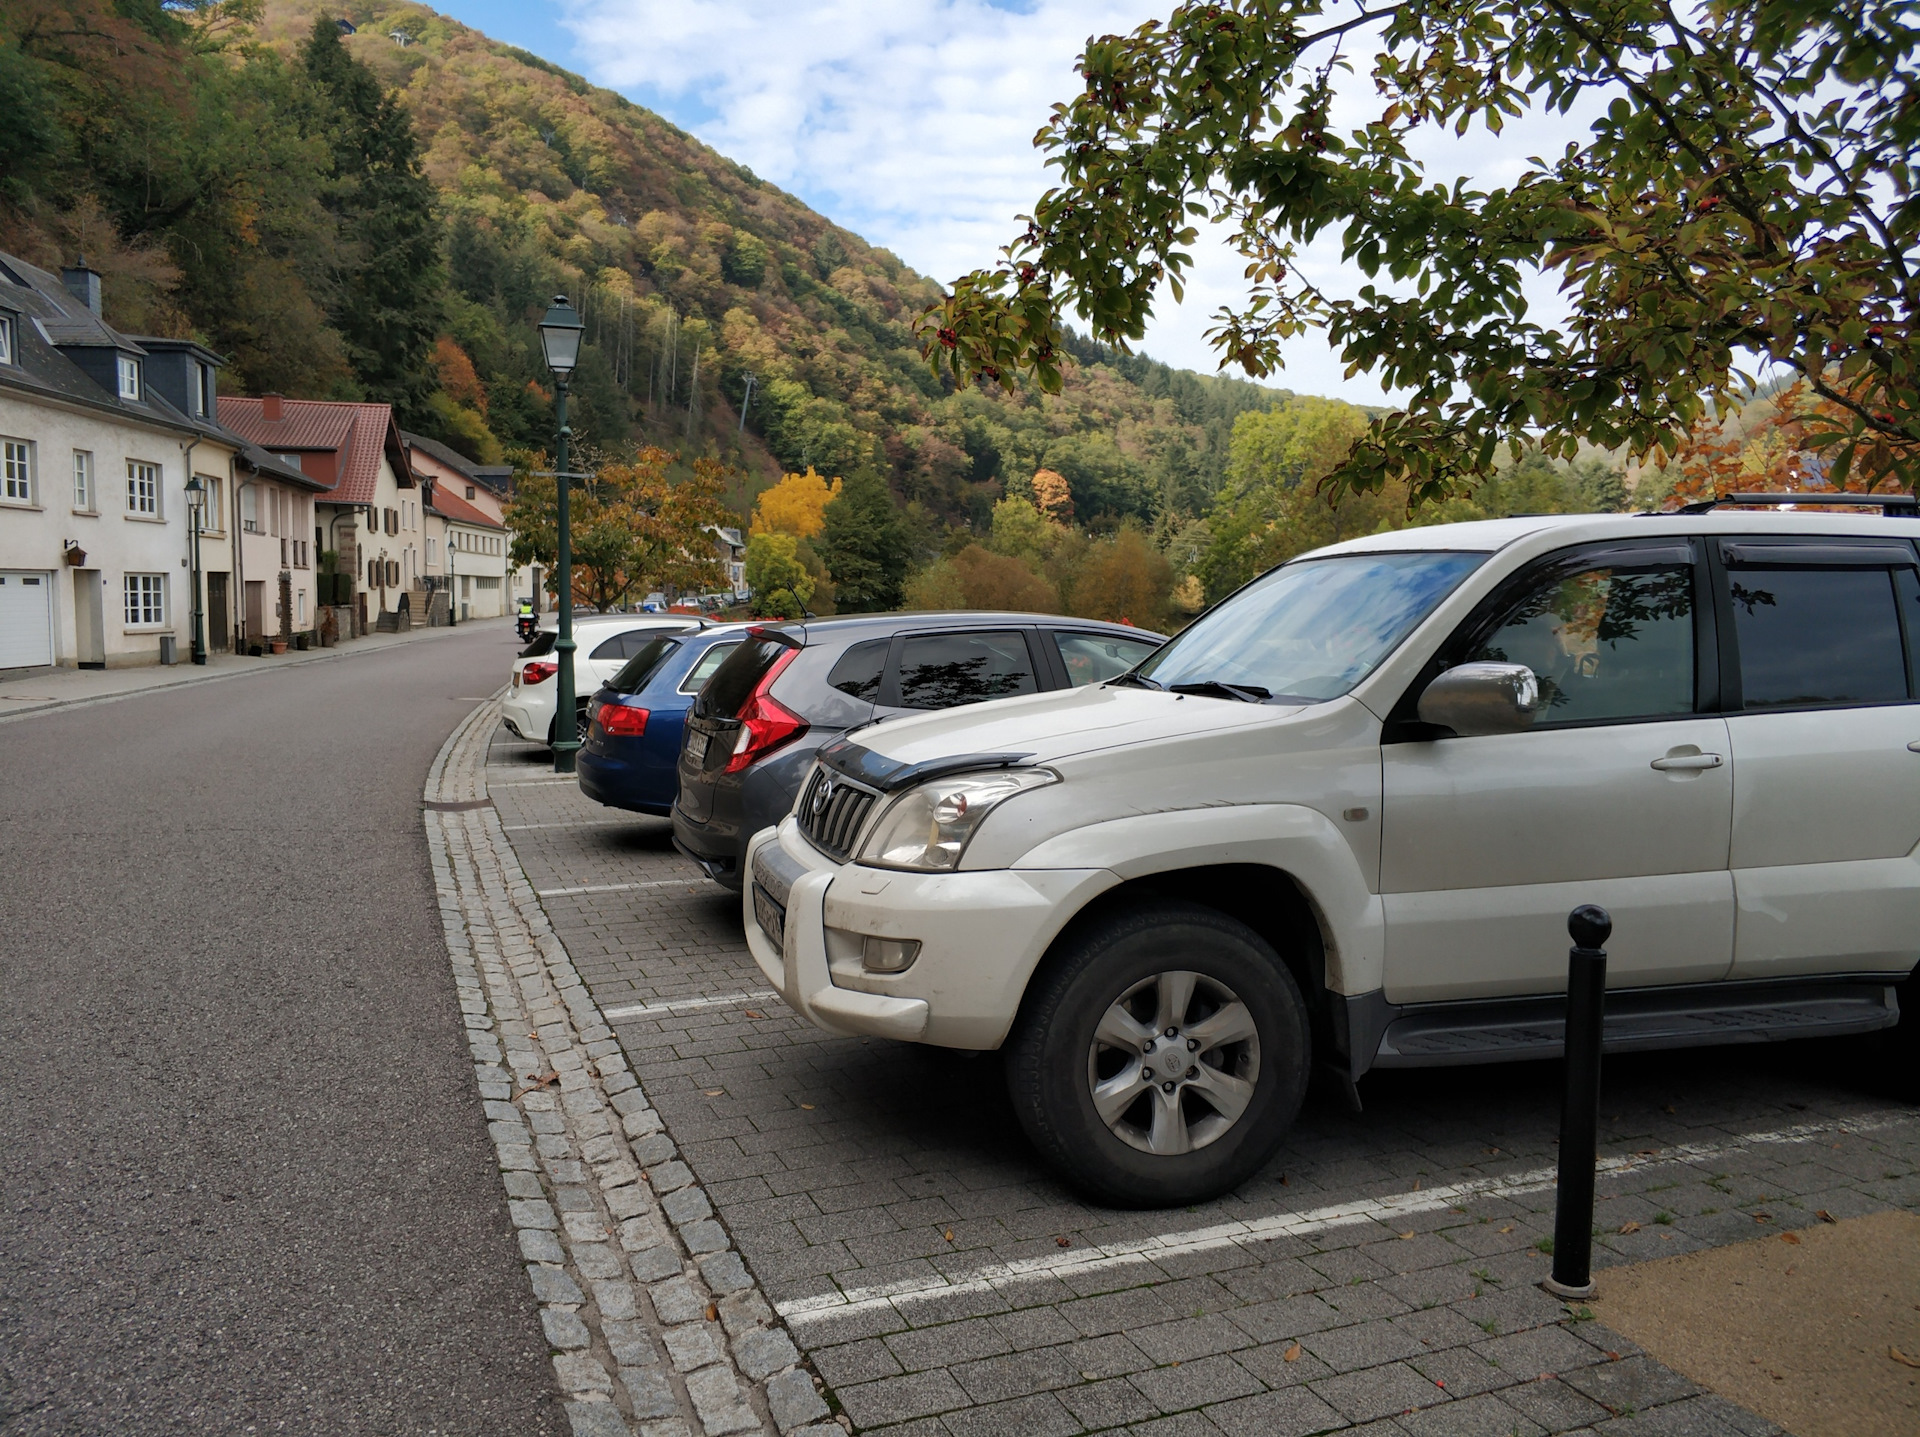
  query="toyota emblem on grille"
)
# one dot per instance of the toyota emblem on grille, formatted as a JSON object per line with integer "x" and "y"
{"x": 822, "y": 796}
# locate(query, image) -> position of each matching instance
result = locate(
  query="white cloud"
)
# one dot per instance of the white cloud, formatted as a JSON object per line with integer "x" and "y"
{"x": 911, "y": 122}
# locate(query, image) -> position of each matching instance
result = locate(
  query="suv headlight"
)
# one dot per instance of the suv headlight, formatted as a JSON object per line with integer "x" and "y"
{"x": 928, "y": 827}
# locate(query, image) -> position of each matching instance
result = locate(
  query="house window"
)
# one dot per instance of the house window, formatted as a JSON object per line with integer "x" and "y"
{"x": 469, "y": 491}
{"x": 83, "y": 481}
{"x": 213, "y": 514}
{"x": 203, "y": 395}
{"x": 143, "y": 488}
{"x": 301, "y": 611}
{"x": 250, "y": 509}
{"x": 6, "y": 339}
{"x": 146, "y": 600}
{"x": 16, "y": 471}
{"x": 433, "y": 552}
{"x": 127, "y": 368}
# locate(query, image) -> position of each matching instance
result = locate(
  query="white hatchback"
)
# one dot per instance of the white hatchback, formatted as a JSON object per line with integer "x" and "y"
{"x": 1340, "y": 822}
{"x": 604, "y": 643}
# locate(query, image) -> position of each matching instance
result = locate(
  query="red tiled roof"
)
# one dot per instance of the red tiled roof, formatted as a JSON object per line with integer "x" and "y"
{"x": 452, "y": 506}
{"x": 357, "y": 434}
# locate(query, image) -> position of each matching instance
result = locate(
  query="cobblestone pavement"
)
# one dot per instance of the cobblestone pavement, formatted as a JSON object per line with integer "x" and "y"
{"x": 652, "y": 1319}
{"x": 1379, "y": 1277}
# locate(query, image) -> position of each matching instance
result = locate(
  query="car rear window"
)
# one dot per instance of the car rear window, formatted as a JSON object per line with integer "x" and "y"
{"x": 704, "y": 666}
{"x": 857, "y": 671}
{"x": 1818, "y": 636}
{"x": 727, "y": 692}
{"x": 943, "y": 671}
{"x": 543, "y": 643}
{"x": 643, "y": 664}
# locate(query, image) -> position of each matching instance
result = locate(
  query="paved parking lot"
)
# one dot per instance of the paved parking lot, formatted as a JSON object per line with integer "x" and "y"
{"x": 1380, "y": 1275}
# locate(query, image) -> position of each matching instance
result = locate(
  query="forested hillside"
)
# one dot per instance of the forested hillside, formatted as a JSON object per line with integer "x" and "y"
{"x": 385, "y": 213}
{"x": 382, "y": 208}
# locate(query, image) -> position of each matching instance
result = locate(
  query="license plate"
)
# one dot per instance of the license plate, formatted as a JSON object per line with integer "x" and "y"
{"x": 697, "y": 747}
{"x": 771, "y": 917}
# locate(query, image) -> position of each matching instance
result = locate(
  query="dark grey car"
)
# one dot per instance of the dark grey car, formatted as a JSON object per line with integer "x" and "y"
{"x": 794, "y": 686}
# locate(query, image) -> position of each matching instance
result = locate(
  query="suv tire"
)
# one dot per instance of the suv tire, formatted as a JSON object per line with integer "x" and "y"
{"x": 1131, "y": 1114}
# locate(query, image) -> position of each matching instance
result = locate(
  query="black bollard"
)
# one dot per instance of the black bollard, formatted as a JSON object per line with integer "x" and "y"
{"x": 1589, "y": 926}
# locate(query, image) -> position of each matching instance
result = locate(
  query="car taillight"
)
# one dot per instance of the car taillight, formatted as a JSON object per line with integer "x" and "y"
{"x": 622, "y": 722}
{"x": 538, "y": 673}
{"x": 765, "y": 722}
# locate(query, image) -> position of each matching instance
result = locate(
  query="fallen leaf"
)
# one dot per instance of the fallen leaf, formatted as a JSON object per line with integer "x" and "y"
{"x": 1671, "y": 1108}
{"x": 1292, "y": 1354}
{"x": 1405, "y": 1236}
{"x": 1063, "y": 1242}
{"x": 1898, "y": 1356}
{"x": 1174, "y": 1363}
{"x": 1792, "y": 1237}
{"x": 534, "y": 1084}
{"x": 714, "y": 1092}
{"x": 755, "y": 1013}
{"x": 1763, "y": 1217}
{"x": 1627, "y": 1227}
{"x": 808, "y": 1107}
{"x": 1613, "y": 1357}
{"x": 949, "y": 1234}
{"x": 1666, "y": 1237}
{"x": 1439, "y": 1382}
{"x": 1416, "y": 1184}
{"x": 1825, "y": 1216}
{"x": 1507, "y": 1228}
{"x": 713, "y": 1312}
{"x": 1285, "y": 1181}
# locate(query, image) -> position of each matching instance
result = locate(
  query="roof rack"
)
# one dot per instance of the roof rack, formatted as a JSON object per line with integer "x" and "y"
{"x": 1904, "y": 504}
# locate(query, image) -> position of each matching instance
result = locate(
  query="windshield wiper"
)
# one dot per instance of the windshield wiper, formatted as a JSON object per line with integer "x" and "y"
{"x": 1133, "y": 680}
{"x": 1245, "y": 693}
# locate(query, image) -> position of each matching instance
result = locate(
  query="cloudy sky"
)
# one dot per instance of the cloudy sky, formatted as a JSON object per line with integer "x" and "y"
{"x": 909, "y": 122}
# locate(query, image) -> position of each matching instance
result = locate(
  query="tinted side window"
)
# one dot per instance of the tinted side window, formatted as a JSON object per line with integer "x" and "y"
{"x": 1094, "y": 658}
{"x": 640, "y": 667}
{"x": 1604, "y": 643}
{"x": 1818, "y": 636}
{"x": 939, "y": 671}
{"x": 857, "y": 671}
{"x": 726, "y": 693}
{"x": 704, "y": 666}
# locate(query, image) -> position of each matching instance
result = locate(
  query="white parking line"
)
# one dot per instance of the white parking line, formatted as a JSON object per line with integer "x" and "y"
{"x": 1293, "y": 1224}
{"x": 533, "y": 782}
{"x": 570, "y": 823}
{"x": 682, "y": 1005}
{"x": 691, "y": 880}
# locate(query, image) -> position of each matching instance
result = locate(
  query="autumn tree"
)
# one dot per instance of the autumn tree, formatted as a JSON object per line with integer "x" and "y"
{"x": 866, "y": 545}
{"x": 634, "y": 529}
{"x": 1745, "y": 197}
{"x": 1124, "y": 580}
{"x": 796, "y": 505}
{"x": 977, "y": 578}
{"x": 1053, "y": 496}
{"x": 780, "y": 583}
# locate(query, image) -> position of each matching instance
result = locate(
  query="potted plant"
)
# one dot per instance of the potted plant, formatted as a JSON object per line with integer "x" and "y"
{"x": 278, "y": 644}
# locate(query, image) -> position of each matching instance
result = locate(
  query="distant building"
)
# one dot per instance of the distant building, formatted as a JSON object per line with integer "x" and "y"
{"x": 100, "y": 435}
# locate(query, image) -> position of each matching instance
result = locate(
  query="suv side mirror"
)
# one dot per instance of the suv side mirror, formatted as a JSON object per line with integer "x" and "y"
{"x": 1482, "y": 698}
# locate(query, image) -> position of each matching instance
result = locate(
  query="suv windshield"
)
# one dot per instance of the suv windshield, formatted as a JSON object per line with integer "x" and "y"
{"x": 1310, "y": 630}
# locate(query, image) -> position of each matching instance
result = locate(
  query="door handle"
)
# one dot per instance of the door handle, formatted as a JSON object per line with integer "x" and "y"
{"x": 1686, "y": 761}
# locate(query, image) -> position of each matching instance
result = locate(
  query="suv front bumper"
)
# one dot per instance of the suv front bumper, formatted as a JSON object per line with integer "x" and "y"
{"x": 981, "y": 935}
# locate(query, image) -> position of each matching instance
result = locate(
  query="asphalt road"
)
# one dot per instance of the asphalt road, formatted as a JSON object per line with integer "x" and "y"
{"x": 247, "y": 1185}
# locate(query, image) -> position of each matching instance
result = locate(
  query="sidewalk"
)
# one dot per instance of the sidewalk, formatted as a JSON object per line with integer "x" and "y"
{"x": 62, "y": 688}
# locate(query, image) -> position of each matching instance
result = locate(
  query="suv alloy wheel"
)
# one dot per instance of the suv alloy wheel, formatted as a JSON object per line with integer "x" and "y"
{"x": 1161, "y": 1056}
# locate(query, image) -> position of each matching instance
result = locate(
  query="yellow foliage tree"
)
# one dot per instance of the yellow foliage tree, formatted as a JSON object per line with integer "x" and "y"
{"x": 796, "y": 505}
{"x": 1053, "y": 496}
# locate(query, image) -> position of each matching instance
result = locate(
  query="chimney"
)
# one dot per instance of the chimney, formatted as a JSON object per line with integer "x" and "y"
{"x": 82, "y": 283}
{"x": 270, "y": 408}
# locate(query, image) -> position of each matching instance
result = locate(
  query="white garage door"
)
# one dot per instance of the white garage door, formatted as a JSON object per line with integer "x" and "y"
{"x": 26, "y": 620}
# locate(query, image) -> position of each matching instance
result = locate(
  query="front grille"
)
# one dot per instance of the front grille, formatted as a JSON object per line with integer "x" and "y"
{"x": 831, "y": 811}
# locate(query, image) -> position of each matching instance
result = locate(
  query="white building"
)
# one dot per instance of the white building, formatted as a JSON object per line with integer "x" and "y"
{"x": 100, "y": 433}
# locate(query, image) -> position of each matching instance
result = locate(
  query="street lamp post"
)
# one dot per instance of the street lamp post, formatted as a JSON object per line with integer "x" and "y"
{"x": 196, "y": 499}
{"x": 560, "y": 334}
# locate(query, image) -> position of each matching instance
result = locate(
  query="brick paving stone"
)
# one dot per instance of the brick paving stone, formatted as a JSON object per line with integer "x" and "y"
{"x": 899, "y": 1145}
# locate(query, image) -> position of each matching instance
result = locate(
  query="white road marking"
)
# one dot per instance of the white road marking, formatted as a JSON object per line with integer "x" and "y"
{"x": 691, "y": 880}
{"x": 534, "y": 782}
{"x": 681, "y": 1005}
{"x": 572, "y": 823}
{"x": 1293, "y": 1224}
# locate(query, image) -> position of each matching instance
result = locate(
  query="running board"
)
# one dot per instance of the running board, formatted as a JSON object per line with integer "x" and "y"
{"x": 1518, "y": 1030}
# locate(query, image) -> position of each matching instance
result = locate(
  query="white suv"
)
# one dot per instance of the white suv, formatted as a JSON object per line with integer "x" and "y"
{"x": 1340, "y": 822}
